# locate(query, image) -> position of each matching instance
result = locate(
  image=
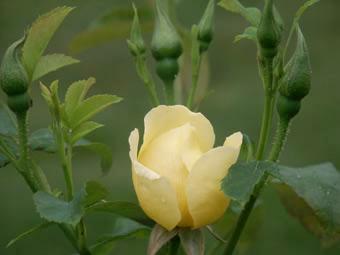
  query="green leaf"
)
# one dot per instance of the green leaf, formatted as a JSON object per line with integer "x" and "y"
{"x": 10, "y": 146}
{"x": 192, "y": 241}
{"x": 56, "y": 210}
{"x": 84, "y": 129}
{"x": 28, "y": 233}
{"x": 318, "y": 186}
{"x": 76, "y": 93}
{"x": 159, "y": 237}
{"x": 40, "y": 34}
{"x": 96, "y": 192}
{"x": 242, "y": 178}
{"x": 123, "y": 229}
{"x": 42, "y": 140}
{"x": 3, "y": 160}
{"x": 123, "y": 209}
{"x": 251, "y": 14}
{"x": 50, "y": 63}
{"x": 102, "y": 150}
{"x": 114, "y": 25}
{"x": 90, "y": 107}
{"x": 249, "y": 33}
{"x": 8, "y": 125}
{"x": 298, "y": 208}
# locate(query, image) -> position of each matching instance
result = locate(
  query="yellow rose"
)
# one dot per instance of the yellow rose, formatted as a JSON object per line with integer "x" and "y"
{"x": 177, "y": 172}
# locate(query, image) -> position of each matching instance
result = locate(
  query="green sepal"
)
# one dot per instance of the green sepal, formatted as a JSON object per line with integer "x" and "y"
{"x": 206, "y": 26}
{"x": 136, "y": 42}
{"x": 13, "y": 76}
{"x": 166, "y": 43}
{"x": 296, "y": 82}
{"x": 269, "y": 31}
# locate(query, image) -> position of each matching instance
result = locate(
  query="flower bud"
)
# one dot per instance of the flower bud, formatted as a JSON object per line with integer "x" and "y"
{"x": 287, "y": 108}
{"x": 296, "y": 82}
{"x": 19, "y": 103}
{"x": 269, "y": 31}
{"x": 206, "y": 26}
{"x": 136, "y": 43}
{"x": 167, "y": 69}
{"x": 166, "y": 43}
{"x": 13, "y": 76}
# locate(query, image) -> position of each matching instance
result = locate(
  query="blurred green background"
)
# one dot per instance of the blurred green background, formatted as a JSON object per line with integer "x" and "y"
{"x": 236, "y": 104}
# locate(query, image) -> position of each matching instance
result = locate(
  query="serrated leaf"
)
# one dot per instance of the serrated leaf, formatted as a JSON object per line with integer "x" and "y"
{"x": 103, "y": 151}
{"x": 28, "y": 233}
{"x": 123, "y": 229}
{"x": 40, "y": 34}
{"x": 95, "y": 192}
{"x": 192, "y": 241}
{"x": 84, "y": 129}
{"x": 101, "y": 30}
{"x": 318, "y": 186}
{"x": 56, "y": 210}
{"x": 123, "y": 209}
{"x": 50, "y": 63}
{"x": 242, "y": 178}
{"x": 8, "y": 125}
{"x": 159, "y": 237}
{"x": 251, "y": 14}
{"x": 90, "y": 107}
{"x": 42, "y": 140}
{"x": 249, "y": 33}
{"x": 76, "y": 93}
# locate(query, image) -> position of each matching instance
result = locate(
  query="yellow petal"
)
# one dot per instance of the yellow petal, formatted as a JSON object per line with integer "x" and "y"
{"x": 234, "y": 140}
{"x": 171, "y": 155}
{"x": 154, "y": 192}
{"x": 206, "y": 201}
{"x": 164, "y": 118}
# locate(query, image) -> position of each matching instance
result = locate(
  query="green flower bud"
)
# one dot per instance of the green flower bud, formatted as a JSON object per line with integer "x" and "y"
{"x": 206, "y": 26}
{"x": 166, "y": 43}
{"x": 13, "y": 76}
{"x": 136, "y": 43}
{"x": 296, "y": 82}
{"x": 167, "y": 69}
{"x": 287, "y": 108}
{"x": 19, "y": 103}
{"x": 269, "y": 31}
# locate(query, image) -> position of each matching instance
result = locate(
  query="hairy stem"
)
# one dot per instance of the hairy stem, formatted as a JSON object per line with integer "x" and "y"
{"x": 280, "y": 139}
